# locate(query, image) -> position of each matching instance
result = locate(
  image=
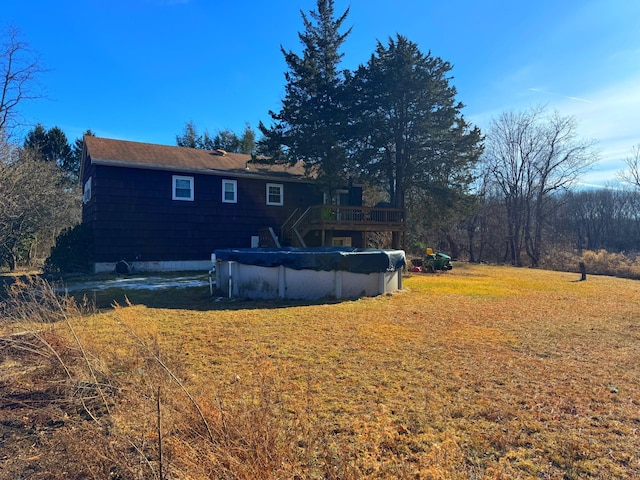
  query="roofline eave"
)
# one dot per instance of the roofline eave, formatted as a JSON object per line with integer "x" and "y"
{"x": 203, "y": 171}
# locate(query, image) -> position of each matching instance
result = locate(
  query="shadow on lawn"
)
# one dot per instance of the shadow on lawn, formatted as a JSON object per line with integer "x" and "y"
{"x": 192, "y": 298}
{"x": 180, "y": 292}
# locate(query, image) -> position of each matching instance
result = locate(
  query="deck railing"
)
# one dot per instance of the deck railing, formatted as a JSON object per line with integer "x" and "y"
{"x": 349, "y": 217}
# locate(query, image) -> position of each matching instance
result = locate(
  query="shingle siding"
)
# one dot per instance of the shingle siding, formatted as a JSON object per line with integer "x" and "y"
{"x": 134, "y": 217}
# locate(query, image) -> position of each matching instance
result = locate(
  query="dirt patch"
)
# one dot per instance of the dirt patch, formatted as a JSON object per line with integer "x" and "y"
{"x": 42, "y": 410}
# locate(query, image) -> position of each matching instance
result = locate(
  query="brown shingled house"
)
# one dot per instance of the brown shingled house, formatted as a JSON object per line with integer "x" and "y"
{"x": 168, "y": 208}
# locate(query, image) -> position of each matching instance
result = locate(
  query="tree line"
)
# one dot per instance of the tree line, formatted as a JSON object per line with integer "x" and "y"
{"x": 225, "y": 139}
{"x": 578, "y": 220}
{"x": 40, "y": 193}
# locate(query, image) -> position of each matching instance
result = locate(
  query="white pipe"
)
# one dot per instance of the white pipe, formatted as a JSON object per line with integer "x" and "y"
{"x": 211, "y": 272}
{"x": 230, "y": 279}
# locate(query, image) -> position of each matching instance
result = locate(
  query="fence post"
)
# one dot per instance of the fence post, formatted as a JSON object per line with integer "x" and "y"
{"x": 583, "y": 272}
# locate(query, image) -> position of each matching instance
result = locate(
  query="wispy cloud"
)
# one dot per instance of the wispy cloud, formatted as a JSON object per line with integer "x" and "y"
{"x": 610, "y": 115}
{"x": 614, "y": 112}
{"x": 547, "y": 92}
{"x": 612, "y": 120}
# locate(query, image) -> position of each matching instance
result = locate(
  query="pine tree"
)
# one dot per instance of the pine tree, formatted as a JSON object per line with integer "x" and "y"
{"x": 411, "y": 132}
{"x": 408, "y": 133}
{"x": 72, "y": 164}
{"x": 309, "y": 125}
{"x": 49, "y": 145}
{"x": 189, "y": 138}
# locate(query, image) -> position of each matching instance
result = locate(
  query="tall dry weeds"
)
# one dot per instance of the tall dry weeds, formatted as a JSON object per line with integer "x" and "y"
{"x": 131, "y": 416}
{"x": 599, "y": 262}
{"x": 51, "y": 384}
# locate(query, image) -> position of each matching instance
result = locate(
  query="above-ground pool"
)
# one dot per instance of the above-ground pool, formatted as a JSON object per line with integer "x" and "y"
{"x": 308, "y": 273}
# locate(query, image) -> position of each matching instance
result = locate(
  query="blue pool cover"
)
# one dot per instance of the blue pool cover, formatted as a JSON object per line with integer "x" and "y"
{"x": 354, "y": 260}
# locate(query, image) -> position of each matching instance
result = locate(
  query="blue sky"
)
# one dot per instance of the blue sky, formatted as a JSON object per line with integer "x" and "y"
{"x": 140, "y": 69}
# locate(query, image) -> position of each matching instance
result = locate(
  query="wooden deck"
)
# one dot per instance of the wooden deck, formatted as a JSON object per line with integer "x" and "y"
{"x": 337, "y": 217}
{"x": 326, "y": 218}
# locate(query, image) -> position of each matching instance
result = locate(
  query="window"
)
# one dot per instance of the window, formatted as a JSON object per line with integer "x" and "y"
{"x": 275, "y": 194}
{"x": 339, "y": 197}
{"x": 86, "y": 195}
{"x": 341, "y": 241}
{"x": 182, "y": 188}
{"x": 229, "y": 191}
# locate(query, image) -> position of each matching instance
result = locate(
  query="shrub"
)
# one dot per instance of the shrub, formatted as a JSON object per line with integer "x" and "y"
{"x": 600, "y": 262}
{"x": 73, "y": 251}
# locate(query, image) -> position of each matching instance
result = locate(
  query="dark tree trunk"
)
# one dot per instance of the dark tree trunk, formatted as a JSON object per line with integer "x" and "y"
{"x": 471, "y": 229}
{"x": 454, "y": 251}
{"x": 11, "y": 261}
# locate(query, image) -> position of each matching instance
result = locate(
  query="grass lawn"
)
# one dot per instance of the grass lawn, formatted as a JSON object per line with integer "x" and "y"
{"x": 482, "y": 372}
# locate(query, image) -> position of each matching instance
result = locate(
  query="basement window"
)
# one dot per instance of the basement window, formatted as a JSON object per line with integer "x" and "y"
{"x": 275, "y": 194}
{"x": 341, "y": 242}
{"x": 182, "y": 188}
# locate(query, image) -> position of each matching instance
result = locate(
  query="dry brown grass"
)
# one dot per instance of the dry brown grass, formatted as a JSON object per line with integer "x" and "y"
{"x": 600, "y": 262}
{"x": 481, "y": 373}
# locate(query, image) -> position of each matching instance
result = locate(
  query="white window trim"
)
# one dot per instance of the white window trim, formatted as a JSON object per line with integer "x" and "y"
{"x": 86, "y": 195}
{"x": 281, "y": 187}
{"x": 235, "y": 191}
{"x": 174, "y": 181}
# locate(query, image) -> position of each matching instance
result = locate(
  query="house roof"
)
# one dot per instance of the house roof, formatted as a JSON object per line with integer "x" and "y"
{"x": 123, "y": 153}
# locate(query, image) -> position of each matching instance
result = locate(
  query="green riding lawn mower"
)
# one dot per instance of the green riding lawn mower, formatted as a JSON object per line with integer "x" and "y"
{"x": 432, "y": 262}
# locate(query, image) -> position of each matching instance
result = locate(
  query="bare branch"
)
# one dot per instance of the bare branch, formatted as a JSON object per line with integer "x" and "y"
{"x": 532, "y": 156}
{"x": 20, "y": 68}
{"x": 631, "y": 174}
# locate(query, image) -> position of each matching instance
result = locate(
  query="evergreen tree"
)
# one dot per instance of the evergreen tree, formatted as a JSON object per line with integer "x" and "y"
{"x": 36, "y": 139}
{"x": 226, "y": 139}
{"x": 49, "y": 145}
{"x": 408, "y": 132}
{"x": 189, "y": 137}
{"x": 73, "y": 163}
{"x": 247, "y": 143}
{"x": 309, "y": 125}
{"x": 57, "y": 148}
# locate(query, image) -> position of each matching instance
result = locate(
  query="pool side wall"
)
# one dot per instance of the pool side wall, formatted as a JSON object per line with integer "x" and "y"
{"x": 256, "y": 282}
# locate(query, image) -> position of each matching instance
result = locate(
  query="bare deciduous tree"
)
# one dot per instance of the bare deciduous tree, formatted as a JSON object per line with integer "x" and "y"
{"x": 532, "y": 155}
{"x": 604, "y": 218}
{"x": 631, "y": 174}
{"x": 19, "y": 71}
{"x": 35, "y": 205}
